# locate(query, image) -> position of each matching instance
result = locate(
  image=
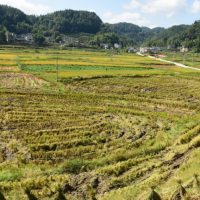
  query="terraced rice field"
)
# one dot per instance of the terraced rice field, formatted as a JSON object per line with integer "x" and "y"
{"x": 7, "y": 68}
{"x": 99, "y": 137}
{"x": 190, "y": 59}
{"x": 80, "y": 58}
{"x": 118, "y": 134}
{"x": 16, "y": 80}
{"x": 92, "y": 73}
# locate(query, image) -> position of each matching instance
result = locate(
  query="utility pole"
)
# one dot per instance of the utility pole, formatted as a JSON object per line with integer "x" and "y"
{"x": 173, "y": 56}
{"x": 57, "y": 69}
{"x": 184, "y": 58}
{"x": 192, "y": 59}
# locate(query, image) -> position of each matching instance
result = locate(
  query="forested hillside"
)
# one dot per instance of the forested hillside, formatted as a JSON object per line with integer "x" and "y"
{"x": 2, "y": 34}
{"x": 14, "y": 19}
{"x": 71, "y": 22}
{"x": 157, "y": 30}
{"x": 67, "y": 21}
{"x": 109, "y": 38}
{"x": 191, "y": 33}
{"x": 153, "y": 30}
{"x": 161, "y": 39}
{"x": 177, "y": 35}
{"x": 188, "y": 37}
{"x": 130, "y": 33}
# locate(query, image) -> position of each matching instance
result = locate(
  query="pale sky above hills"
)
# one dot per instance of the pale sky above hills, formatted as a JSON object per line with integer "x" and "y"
{"x": 151, "y": 13}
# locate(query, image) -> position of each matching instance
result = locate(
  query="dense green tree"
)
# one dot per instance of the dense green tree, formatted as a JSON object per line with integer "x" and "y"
{"x": 70, "y": 22}
{"x": 198, "y": 45}
{"x": 157, "y": 30}
{"x": 192, "y": 33}
{"x": 67, "y": 21}
{"x": 2, "y": 35}
{"x": 129, "y": 33}
{"x": 6, "y": 23}
{"x": 55, "y": 35}
{"x": 168, "y": 36}
{"x": 39, "y": 39}
{"x": 10, "y": 17}
{"x": 109, "y": 38}
{"x": 164, "y": 40}
{"x": 177, "y": 43}
{"x": 59, "y": 39}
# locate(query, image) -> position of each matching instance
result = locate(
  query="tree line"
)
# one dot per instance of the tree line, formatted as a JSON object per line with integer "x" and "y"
{"x": 67, "y": 21}
{"x": 71, "y": 22}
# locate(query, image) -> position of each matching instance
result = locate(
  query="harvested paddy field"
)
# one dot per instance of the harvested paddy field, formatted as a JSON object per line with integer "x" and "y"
{"x": 6, "y": 68}
{"x": 14, "y": 80}
{"x": 189, "y": 59}
{"x": 99, "y": 136}
{"x": 74, "y": 58}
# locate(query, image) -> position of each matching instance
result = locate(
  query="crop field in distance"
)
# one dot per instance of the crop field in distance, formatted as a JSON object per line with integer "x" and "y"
{"x": 189, "y": 59}
{"x": 111, "y": 128}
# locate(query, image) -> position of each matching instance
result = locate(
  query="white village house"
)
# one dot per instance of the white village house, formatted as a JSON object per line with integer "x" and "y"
{"x": 183, "y": 49}
{"x": 10, "y": 37}
{"x": 25, "y": 38}
{"x": 117, "y": 46}
{"x": 67, "y": 40}
{"x": 151, "y": 49}
{"x": 170, "y": 47}
{"x": 104, "y": 45}
{"x": 144, "y": 49}
{"x": 29, "y": 38}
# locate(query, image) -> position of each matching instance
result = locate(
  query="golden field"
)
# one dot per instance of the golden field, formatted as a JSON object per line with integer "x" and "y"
{"x": 112, "y": 128}
{"x": 75, "y": 58}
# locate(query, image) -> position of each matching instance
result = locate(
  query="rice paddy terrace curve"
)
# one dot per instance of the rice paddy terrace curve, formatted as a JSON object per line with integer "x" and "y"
{"x": 100, "y": 137}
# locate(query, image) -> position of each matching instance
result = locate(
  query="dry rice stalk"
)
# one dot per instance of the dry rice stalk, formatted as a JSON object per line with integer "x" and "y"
{"x": 154, "y": 195}
{"x": 30, "y": 196}
{"x": 2, "y": 196}
{"x": 60, "y": 196}
{"x": 180, "y": 193}
{"x": 196, "y": 184}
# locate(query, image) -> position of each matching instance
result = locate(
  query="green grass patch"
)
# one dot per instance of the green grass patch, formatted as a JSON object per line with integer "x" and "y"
{"x": 43, "y": 68}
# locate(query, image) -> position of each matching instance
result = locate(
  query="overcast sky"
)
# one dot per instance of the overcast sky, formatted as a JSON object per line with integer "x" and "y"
{"x": 151, "y": 13}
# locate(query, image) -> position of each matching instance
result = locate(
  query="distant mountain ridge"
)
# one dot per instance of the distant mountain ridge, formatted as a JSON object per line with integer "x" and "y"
{"x": 72, "y": 22}
{"x": 189, "y": 37}
{"x": 66, "y": 21}
{"x": 132, "y": 33}
{"x": 161, "y": 39}
{"x": 154, "y": 30}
